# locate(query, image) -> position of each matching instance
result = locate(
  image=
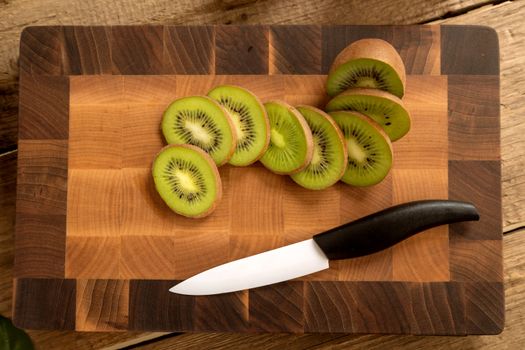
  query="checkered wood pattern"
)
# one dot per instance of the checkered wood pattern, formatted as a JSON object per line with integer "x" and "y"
{"x": 92, "y": 231}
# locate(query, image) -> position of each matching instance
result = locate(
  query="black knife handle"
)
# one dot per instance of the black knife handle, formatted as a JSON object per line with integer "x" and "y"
{"x": 383, "y": 229}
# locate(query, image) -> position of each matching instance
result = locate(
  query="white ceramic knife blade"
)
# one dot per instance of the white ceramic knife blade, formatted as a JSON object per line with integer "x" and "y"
{"x": 365, "y": 236}
{"x": 273, "y": 266}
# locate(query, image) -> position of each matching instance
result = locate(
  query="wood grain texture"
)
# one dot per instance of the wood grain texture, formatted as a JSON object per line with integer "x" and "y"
{"x": 277, "y": 308}
{"x": 356, "y": 314}
{"x": 484, "y": 299}
{"x": 474, "y": 113}
{"x": 93, "y": 204}
{"x": 471, "y": 50}
{"x": 222, "y": 312}
{"x": 87, "y": 50}
{"x": 189, "y": 50}
{"x": 295, "y": 50}
{"x": 90, "y": 257}
{"x": 44, "y": 107}
{"x": 464, "y": 186}
{"x": 475, "y": 260}
{"x": 97, "y": 187}
{"x": 127, "y": 40}
{"x": 42, "y": 177}
{"x": 425, "y": 100}
{"x": 151, "y": 307}
{"x": 505, "y": 19}
{"x": 40, "y": 245}
{"x": 102, "y": 305}
{"x": 147, "y": 257}
{"x": 241, "y": 50}
{"x": 7, "y": 227}
{"x": 45, "y": 303}
{"x": 41, "y": 50}
{"x": 423, "y": 257}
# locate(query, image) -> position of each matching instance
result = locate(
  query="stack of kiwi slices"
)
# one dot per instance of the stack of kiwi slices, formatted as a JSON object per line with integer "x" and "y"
{"x": 349, "y": 141}
{"x": 367, "y": 82}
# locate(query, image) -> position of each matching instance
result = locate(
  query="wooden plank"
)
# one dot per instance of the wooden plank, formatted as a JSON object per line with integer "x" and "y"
{"x": 7, "y": 227}
{"x": 42, "y": 177}
{"x": 484, "y": 302}
{"x": 377, "y": 307}
{"x": 277, "y": 308}
{"x": 222, "y": 312}
{"x": 102, "y": 305}
{"x": 44, "y": 107}
{"x": 152, "y": 308}
{"x": 8, "y": 114}
{"x": 473, "y": 117}
{"x": 469, "y": 51}
{"x": 41, "y": 51}
{"x": 482, "y": 192}
{"x": 295, "y": 50}
{"x": 506, "y": 18}
{"x": 478, "y": 260}
{"x": 128, "y": 41}
{"x": 45, "y": 303}
{"x": 189, "y": 50}
{"x": 241, "y": 50}
{"x": 87, "y": 50}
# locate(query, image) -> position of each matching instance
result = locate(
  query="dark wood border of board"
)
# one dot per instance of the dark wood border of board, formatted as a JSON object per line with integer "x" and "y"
{"x": 471, "y": 303}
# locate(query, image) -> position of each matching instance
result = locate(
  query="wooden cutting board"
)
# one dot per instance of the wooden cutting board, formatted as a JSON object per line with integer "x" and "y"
{"x": 97, "y": 250}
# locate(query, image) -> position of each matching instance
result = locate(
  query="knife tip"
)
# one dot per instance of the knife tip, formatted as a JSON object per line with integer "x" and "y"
{"x": 174, "y": 290}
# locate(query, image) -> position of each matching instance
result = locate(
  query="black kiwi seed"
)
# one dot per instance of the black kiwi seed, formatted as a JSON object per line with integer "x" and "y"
{"x": 247, "y": 123}
{"x": 368, "y": 72}
{"x": 175, "y": 186}
{"x": 197, "y": 116}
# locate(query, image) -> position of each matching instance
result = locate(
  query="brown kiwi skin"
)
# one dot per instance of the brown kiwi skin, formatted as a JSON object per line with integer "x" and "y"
{"x": 376, "y": 49}
{"x": 376, "y": 126}
{"x": 338, "y": 131}
{"x": 230, "y": 122}
{"x": 307, "y": 132}
{"x": 266, "y": 120}
{"x": 218, "y": 182}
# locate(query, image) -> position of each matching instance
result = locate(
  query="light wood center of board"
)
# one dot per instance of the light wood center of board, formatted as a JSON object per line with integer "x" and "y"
{"x": 118, "y": 228}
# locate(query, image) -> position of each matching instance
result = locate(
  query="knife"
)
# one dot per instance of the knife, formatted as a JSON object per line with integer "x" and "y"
{"x": 364, "y": 236}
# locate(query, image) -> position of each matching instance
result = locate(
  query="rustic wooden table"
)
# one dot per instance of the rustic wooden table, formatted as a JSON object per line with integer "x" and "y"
{"x": 505, "y": 16}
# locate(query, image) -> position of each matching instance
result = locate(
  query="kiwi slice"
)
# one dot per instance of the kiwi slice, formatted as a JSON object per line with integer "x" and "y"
{"x": 251, "y": 122}
{"x": 291, "y": 145}
{"x": 187, "y": 179}
{"x": 329, "y": 158}
{"x": 386, "y": 109}
{"x": 368, "y": 63}
{"x": 202, "y": 122}
{"x": 369, "y": 149}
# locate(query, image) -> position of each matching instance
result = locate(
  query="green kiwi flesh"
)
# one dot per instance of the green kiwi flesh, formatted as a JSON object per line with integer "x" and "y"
{"x": 291, "y": 146}
{"x": 369, "y": 149}
{"x": 364, "y": 73}
{"x": 202, "y": 122}
{"x": 329, "y": 158}
{"x": 187, "y": 179}
{"x": 384, "y": 108}
{"x": 250, "y": 121}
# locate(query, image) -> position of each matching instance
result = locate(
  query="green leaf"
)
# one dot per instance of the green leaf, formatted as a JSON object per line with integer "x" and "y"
{"x": 12, "y": 338}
